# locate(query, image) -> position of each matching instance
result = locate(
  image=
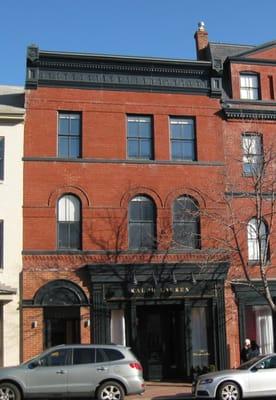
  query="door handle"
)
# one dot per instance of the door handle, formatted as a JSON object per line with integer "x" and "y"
{"x": 61, "y": 372}
{"x": 102, "y": 369}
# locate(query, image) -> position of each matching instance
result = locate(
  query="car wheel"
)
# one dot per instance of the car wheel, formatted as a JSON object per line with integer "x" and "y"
{"x": 229, "y": 391}
{"x": 110, "y": 391}
{"x": 8, "y": 391}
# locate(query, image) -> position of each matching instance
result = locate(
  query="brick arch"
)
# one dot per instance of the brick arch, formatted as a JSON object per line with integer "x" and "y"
{"x": 184, "y": 191}
{"x": 60, "y": 292}
{"x": 80, "y": 193}
{"x": 141, "y": 191}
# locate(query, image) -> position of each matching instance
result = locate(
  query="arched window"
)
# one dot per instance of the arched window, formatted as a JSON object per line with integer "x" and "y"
{"x": 142, "y": 223}
{"x": 186, "y": 222}
{"x": 69, "y": 222}
{"x": 257, "y": 237}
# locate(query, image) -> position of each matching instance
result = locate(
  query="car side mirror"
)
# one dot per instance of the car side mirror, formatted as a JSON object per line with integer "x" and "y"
{"x": 34, "y": 364}
{"x": 257, "y": 367}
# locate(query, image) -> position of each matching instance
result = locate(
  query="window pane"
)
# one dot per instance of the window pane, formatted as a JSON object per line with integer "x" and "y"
{"x": 188, "y": 150}
{"x": 176, "y": 150}
{"x": 139, "y": 137}
{"x": 74, "y": 147}
{"x": 146, "y": 149}
{"x": 74, "y": 235}
{"x": 75, "y": 125}
{"x": 109, "y": 355}
{"x": 134, "y": 236}
{"x": 133, "y": 148}
{"x": 182, "y": 128}
{"x": 135, "y": 211}
{"x": 56, "y": 358}
{"x": 63, "y": 235}
{"x": 145, "y": 129}
{"x": 147, "y": 210}
{"x": 147, "y": 236}
{"x": 84, "y": 356}
{"x": 64, "y": 125}
{"x": 63, "y": 146}
{"x": 68, "y": 208}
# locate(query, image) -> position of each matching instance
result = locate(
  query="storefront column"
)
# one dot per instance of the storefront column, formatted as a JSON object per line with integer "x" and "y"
{"x": 101, "y": 317}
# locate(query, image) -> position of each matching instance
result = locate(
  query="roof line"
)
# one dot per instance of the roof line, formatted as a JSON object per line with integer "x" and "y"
{"x": 122, "y": 57}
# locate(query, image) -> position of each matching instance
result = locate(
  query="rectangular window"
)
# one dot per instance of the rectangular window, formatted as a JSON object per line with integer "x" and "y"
{"x": 182, "y": 134}
{"x": 252, "y": 154}
{"x": 69, "y": 135}
{"x": 1, "y": 244}
{"x": 2, "y": 149}
{"x": 259, "y": 326}
{"x": 139, "y": 137}
{"x": 249, "y": 86}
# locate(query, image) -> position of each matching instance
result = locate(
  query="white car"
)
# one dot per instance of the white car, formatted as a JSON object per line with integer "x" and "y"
{"x": 255, "y": 378}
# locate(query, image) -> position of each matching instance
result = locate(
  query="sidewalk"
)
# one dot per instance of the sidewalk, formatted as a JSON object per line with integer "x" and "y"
{"x": 164, "y": 391}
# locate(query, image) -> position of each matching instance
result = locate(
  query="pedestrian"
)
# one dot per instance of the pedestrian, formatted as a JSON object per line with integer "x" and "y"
{"x": 255, "y": 349}
{"x": 246, "y": 351}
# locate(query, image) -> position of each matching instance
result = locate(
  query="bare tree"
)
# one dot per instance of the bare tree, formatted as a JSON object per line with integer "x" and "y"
{"x": 246, "y": 215}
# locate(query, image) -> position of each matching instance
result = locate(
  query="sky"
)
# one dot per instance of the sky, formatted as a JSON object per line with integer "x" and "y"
{"x": 153, "y": 28}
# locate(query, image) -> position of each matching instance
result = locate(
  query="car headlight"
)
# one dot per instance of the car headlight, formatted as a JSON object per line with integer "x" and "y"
{"x": 205, "y": 381}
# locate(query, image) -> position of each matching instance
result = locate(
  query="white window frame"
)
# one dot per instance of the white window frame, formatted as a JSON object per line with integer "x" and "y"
{"x": 249, "y": 86}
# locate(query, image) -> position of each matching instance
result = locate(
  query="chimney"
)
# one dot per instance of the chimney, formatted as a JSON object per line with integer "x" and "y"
{"x": 201, "y": 38}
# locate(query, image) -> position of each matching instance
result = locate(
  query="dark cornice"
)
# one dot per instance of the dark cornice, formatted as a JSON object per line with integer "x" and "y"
{"x": 250, "y": 61}
{"x": 249, "y": 109}
{"x": 100, "y": 273}
{"x": 59, "y": 69}
{"x": 249, "y": 113}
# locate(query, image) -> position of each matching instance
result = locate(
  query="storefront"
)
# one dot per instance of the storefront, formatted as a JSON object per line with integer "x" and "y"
{"x": 172, "y": 316}
{"x": 256, "y": 320}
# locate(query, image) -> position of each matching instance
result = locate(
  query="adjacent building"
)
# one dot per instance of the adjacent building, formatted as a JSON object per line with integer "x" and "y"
{"x": 11, "y": 201}
{"x": 123, "y": 159}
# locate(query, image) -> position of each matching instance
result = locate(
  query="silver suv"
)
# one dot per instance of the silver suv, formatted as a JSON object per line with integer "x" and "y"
{"x": 107, "y": 372}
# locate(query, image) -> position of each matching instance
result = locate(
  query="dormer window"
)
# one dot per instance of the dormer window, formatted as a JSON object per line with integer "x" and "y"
{"x": 249, "y": 86}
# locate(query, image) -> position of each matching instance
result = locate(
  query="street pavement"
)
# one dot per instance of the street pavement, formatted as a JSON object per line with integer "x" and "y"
{"x": 164, "y": 391}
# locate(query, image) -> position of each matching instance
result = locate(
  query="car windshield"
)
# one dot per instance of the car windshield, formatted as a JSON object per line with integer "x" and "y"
{"x": 248, "y": 364}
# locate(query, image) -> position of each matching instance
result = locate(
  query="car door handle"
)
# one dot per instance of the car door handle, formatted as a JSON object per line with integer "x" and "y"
{"x": 102, "y": 369}
{"x": 61, "y": 371}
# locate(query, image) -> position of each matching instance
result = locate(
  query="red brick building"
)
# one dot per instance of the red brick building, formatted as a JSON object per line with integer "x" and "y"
{"x": 123, "y": 158}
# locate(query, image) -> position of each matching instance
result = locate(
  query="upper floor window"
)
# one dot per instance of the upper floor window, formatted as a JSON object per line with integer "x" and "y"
{"x": 2, "y": 150}
{"x": 249, "y": 86}
{"x": 257, "y": 237}
{"x": 1, "y": 243}
{"x": 69, "y": 222}
{"x": 252, "y": 153}
{"x": 142, "y": 223}
{"x": 182, "y": 133}
{"x": 139, "y": 137}
{"x": 69, "y": 135}
{"x": 186, "y": 222}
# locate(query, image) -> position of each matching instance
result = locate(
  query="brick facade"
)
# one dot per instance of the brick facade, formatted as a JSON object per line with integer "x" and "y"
{"x": 105, "y": 180}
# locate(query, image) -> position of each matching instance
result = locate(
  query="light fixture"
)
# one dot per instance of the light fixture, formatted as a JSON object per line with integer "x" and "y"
{"x": 87, "y": 323}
